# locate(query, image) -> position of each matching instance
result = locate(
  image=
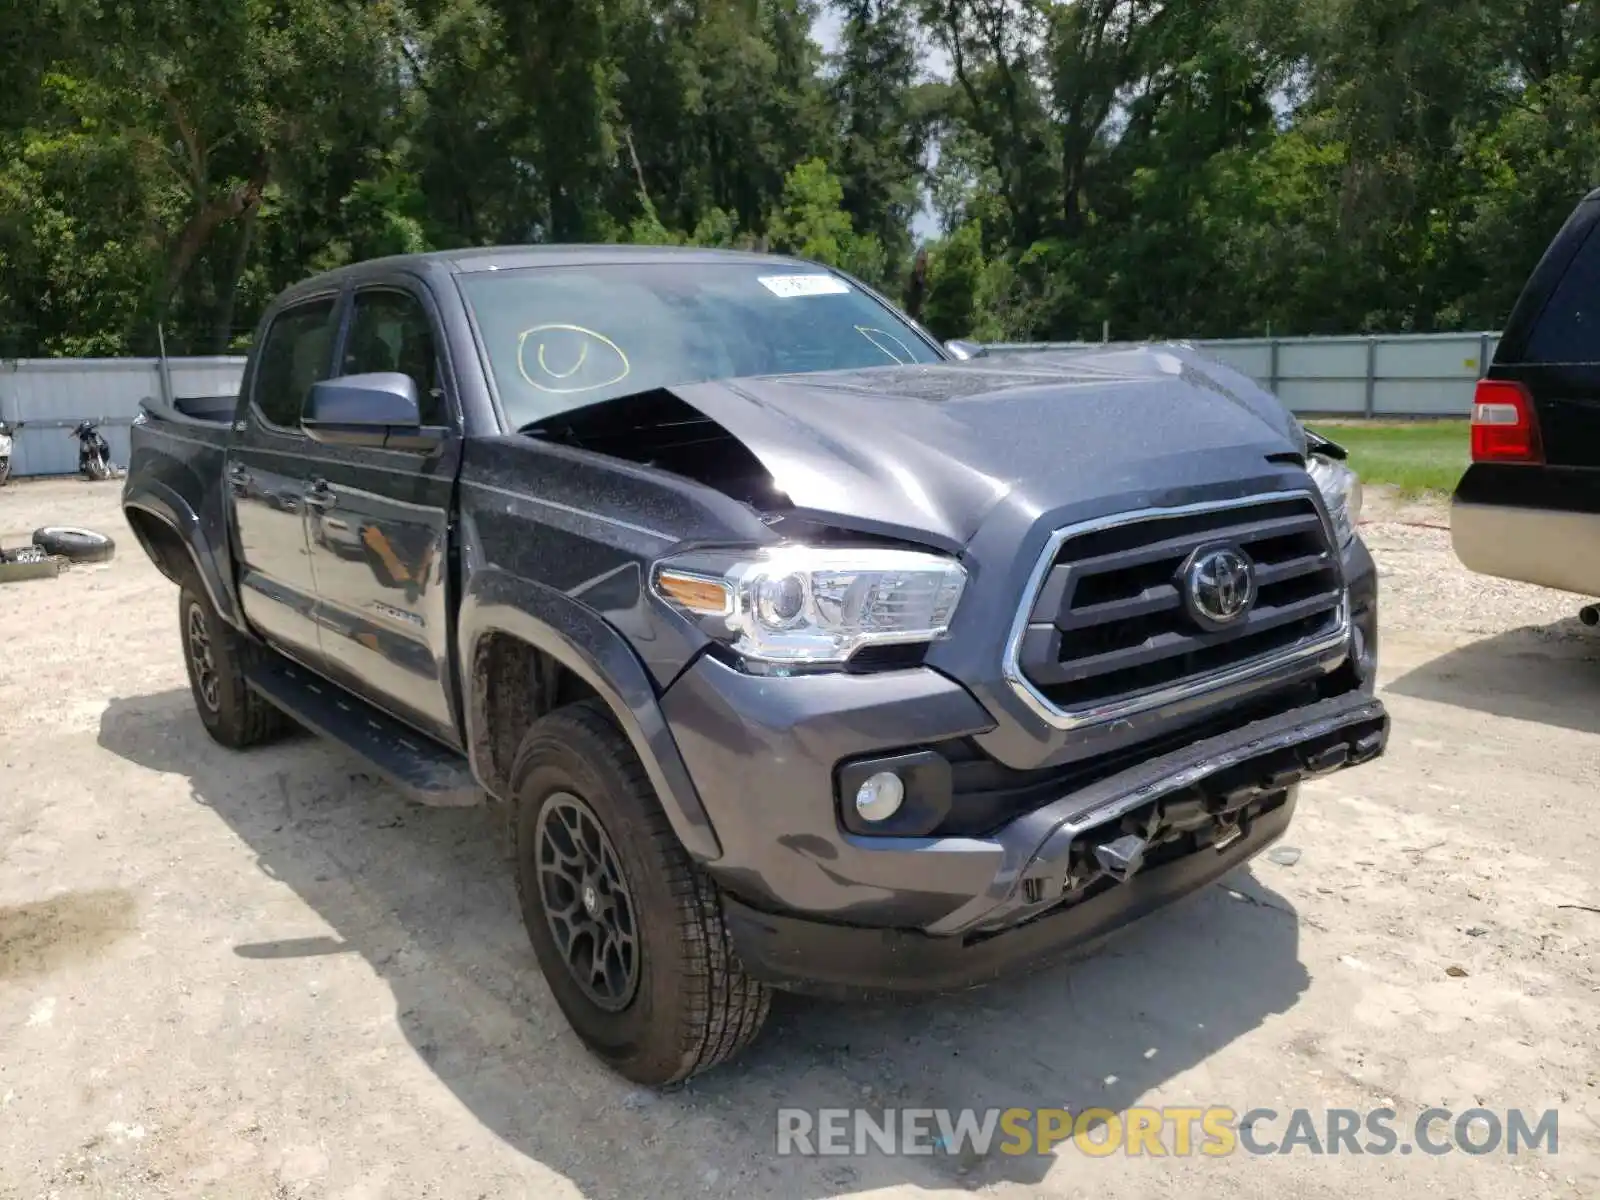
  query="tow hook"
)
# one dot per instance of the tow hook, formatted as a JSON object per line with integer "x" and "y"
{"x": 1227, "y": 833}
{"x": 1121, "y": 858}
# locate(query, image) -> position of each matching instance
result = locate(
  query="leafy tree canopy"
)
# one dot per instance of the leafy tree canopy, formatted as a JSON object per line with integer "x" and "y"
{"x": 1167, "y": 167}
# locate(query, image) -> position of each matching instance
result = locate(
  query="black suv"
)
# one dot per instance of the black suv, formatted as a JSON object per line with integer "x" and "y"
{"x": 1529, "y": 506}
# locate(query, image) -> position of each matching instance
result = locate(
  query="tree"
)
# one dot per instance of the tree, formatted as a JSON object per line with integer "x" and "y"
{"x": 1174, "y": 167}
{"x": 810, "y": 222}
{"x": 882, "y": 134}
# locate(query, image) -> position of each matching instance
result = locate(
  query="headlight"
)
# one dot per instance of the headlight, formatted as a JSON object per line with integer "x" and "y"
{"x": 815, "y": 604}
{"x": 1341, "y": 494}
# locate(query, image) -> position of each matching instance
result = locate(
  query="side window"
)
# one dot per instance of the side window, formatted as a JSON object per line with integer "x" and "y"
{"x": 390, "y": 331}
{"x": 293, "y": 356}
{"x": 1568, "y": 330}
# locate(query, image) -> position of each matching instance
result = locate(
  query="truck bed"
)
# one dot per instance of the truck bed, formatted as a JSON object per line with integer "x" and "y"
{"x": 177, "y": 457}
{"x": 207, "y": 409}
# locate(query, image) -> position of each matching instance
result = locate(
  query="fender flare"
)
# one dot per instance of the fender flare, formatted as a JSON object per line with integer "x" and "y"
{"x": 166, "y": 505}
{"x": 496, "y": 601}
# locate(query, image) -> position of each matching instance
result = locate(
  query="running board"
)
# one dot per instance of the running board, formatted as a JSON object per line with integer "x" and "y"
{"x": 431, "y": 772}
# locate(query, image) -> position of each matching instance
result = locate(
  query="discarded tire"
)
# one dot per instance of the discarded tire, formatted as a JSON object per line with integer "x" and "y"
{"x": 74, "y": 544}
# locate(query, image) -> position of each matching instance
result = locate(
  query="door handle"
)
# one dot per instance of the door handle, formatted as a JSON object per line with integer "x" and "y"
{"x": 322, "y": 495}
{"x": 238, "y": 476}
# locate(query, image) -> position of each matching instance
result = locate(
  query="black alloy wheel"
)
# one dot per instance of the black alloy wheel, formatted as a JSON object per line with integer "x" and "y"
{"x": 586, "y": 902}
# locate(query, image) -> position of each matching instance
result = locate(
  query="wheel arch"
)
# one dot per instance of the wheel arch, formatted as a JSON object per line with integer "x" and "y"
{"x": 526, "y": 649}
{"x": 174, "y": 538}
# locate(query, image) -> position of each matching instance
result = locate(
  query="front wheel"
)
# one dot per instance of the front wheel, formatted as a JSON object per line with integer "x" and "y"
{"x": 627, "y": 928}
{"x": 215, "y": 655}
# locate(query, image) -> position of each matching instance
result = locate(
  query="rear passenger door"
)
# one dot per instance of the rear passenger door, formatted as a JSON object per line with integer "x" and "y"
{"x": 379, "y": 524}
{"x": 268, "y": 473}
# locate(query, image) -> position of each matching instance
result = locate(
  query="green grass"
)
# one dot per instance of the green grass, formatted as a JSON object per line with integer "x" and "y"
{"x": 1414, "y": 456}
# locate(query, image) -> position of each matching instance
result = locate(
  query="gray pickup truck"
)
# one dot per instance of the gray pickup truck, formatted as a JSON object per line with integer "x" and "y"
{"x": 799, "y": 652}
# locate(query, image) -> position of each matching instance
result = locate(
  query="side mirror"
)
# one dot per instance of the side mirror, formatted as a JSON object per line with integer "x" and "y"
{"x": 1317, "y": 444}
{"x": 962, "y": 349}
{"x": 377, "y": 411}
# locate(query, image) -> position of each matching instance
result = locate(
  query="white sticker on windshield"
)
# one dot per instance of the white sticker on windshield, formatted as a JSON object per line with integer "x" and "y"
{"x": 789, "y": 286}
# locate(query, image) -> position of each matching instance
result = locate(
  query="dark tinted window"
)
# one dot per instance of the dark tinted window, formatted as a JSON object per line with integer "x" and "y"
{"x": 562, "y": 337}
{"x": 1568, "y": 330}
{"x": 292, "y": 358}
{"x": 389, "y": 331}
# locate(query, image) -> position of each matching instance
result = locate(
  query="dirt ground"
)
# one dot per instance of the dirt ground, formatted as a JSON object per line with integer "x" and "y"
{"x": 269, "y": 975}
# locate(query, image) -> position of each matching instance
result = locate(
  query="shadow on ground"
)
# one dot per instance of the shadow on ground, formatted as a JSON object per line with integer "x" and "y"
{"x": 1544, "y": 673}
{"x": 424, "y": 896}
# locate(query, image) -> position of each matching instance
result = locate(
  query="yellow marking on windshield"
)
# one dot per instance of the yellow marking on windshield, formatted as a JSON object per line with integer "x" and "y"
{"x": 583, "y": 356}
{"x": 872, "y": 334}
{"x": 589, "y": 338}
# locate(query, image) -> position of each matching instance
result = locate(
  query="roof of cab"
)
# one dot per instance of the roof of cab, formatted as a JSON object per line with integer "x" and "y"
{"x": 476, "y": 259}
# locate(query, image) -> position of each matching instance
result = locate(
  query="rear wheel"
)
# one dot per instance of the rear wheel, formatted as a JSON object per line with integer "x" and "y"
{"x": 215, "y": 655}
{"x": 5, "y": 470}
{"x": 627, "y": 928}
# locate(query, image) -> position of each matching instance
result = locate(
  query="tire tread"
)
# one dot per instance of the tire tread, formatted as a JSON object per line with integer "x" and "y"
{"x": 246, "y": 718}
{"x": 726, "y": 1007}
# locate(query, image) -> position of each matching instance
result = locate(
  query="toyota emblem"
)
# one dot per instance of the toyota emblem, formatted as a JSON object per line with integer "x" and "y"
{"x": 1219, "y": 585}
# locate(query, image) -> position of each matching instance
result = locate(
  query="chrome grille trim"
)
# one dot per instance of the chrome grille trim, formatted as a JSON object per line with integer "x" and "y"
{"x": 1132, "y": 704}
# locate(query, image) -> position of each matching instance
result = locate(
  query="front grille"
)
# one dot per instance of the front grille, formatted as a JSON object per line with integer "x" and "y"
{"x": 1107, "y": 632}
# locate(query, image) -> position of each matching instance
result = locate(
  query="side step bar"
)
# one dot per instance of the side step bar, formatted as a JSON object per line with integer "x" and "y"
{"x": 434, "y": 774}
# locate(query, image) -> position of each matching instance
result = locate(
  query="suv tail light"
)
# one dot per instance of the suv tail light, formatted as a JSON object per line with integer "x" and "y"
{"x": 1504, "y": 426}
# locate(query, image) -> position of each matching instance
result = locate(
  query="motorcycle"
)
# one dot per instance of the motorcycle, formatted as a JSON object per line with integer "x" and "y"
{"x": 7, "y": 434}
{"x": 94, "y": 453}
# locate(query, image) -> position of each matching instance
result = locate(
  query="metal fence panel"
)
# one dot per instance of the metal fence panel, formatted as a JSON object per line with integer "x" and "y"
{"x": 1434, "y": 358}
{"x": 1341, "y": 397}
{"x": 1423, "y": 398}
{"x": 205, "y": 376}
{"x": 49, "y": 396}
{"x": 1395, "y": 375}
{"x": 1254, "y": 359}
{"x": 1343, "y": 359}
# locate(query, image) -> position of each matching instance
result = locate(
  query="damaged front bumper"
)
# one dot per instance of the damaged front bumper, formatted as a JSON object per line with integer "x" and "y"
{"x": 1076, "y": 869}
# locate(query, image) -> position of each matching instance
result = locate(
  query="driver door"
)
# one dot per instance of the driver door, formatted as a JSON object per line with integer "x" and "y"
{"x": 379, "y": 525}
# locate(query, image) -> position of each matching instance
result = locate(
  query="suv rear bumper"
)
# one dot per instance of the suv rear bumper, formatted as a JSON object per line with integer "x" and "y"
{"x": 1530, "y": 523}
{"x": 1550, "y": 547}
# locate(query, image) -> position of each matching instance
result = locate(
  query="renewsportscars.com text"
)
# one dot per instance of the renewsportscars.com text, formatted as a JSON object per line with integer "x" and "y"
{"x": 1176, "y": 1131}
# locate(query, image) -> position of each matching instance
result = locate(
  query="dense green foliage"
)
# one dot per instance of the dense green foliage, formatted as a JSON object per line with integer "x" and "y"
{"x": 1168, "y": 167}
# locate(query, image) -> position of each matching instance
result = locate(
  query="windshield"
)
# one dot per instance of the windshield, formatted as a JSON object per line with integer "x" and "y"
{"x": 563, "y": 337}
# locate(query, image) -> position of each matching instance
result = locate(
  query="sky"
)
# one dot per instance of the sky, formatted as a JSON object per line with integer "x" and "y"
{"x": 826, "y": 31}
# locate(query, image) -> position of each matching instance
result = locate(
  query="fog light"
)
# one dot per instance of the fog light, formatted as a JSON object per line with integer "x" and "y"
{"x": 880, "y": 796}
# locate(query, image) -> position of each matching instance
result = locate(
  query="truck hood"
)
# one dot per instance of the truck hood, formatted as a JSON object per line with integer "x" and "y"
{"x": 931, "y": 450}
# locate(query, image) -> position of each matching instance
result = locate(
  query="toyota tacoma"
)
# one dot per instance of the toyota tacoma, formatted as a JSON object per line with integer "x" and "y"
{"x": 799, "y": 650}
